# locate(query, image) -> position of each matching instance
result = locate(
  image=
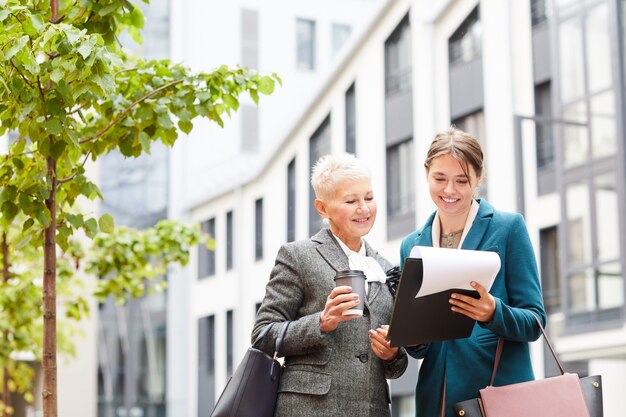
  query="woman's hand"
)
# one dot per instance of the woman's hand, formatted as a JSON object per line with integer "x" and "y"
{"x": 339, "y": 300}
{"x": 481, "y": 309}
{"x": 380, "y": 345}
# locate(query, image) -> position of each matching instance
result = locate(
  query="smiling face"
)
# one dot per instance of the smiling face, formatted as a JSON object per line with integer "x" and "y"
{"x": 351, "y": 211}
{"x": 451, "y": 189}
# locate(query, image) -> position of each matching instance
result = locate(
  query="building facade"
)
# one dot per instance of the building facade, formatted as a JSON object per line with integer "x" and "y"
{"x": 542, "y": 86}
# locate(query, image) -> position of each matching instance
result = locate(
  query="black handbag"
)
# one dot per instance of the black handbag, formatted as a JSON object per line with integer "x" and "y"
{"x": 253, "y": 388}
{"x": 538, "y": 393}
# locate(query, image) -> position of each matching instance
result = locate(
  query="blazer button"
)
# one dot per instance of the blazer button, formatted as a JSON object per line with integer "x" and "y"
{"x": 362, "y": 357}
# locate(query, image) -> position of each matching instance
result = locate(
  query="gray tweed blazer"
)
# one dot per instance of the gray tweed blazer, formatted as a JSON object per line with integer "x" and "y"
{"x": 326, "y": 374}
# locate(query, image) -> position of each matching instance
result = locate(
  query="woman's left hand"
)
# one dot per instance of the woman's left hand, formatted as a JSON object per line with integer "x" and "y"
{"x": 481, "y": 309}
{"x": 380, "y": 345}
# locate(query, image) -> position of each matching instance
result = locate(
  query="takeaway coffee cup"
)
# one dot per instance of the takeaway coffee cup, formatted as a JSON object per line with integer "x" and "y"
{"x": 355, "y": 279}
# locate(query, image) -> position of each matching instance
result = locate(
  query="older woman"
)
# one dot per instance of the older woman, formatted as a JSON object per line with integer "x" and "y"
{"x": 336, "y": 364}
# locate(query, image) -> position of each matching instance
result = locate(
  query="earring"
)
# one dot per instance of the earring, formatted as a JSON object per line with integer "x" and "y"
{"x": 326, "y": 221}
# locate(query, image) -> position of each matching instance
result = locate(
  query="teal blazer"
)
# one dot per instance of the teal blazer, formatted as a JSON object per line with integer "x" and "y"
{"x": 468, "y": 363}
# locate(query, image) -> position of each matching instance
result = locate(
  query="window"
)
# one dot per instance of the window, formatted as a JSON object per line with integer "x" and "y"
{"x": 465, "y": 44}
{"x": 340, "y": 33}
{"x": 258, "y": 229}
{"x": 400, "y": 188}
{"x": 474, "y": 124}
{"x": 249, "y": 128}
{"x": 206, "y": 365}
{"x": 249, "y": 38}
{"x": 398, "y": 59}
{"x": 206, "y": 257}
{"x": 229, "y": 343}
{"x": 550, "y": 284}
{"x": 545, "y": 142}
{"x": 350, "y": 120}
{"x": 593, "y": 267}
{"x": 539, "y": 12}
{"x": 229, "y": 240}
{"x": 319, "y": 145}
{"x": 291, "y": 201}
{"x": 305, "y": 33}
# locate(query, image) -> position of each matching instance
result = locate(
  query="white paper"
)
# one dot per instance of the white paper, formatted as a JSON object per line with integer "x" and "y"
{"x": 446, "y": 268}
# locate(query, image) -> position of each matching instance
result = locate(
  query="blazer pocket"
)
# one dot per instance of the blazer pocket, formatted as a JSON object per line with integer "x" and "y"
{"x": 319, "y": 358}
{"x": 305, "y": 382}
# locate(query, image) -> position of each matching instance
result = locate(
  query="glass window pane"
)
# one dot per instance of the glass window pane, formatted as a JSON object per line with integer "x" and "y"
{"x": 465, "y": 44}
{"x": 578, "y": 292}
{"x": 258, "y": 234}
{"x": 400, "y": 188}
{"x": 598, "y": 49}
{"x": 306, "y": 43}
{"x": 575, "y": 136}
{"x": 610, "y": 286}
{"x": 577, "y": 200}
{"x": 340, "y": 33}
{"x": 603, "y": 127}
{"x": 607, "y": 217}
{"x": 398, "y": 57}
{"x": 571, "y": 60}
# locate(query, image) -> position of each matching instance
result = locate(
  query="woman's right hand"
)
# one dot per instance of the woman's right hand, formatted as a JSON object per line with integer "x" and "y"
{"x": 339, "y": 300}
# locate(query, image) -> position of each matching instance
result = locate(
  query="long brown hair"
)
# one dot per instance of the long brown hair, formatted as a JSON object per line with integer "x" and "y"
{"x": 462, "y": 146}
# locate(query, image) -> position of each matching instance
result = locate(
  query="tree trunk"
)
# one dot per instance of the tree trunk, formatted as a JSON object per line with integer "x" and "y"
{"x": 49, "y": 360}
{"x": 6, "y": 396}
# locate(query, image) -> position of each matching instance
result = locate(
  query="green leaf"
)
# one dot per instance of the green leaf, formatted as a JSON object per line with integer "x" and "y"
{"x": 57, "y": 75}
{"x": 136, "y": 18}
{"x": 145, "y": 142}
{"x": 33, "y": 25}
{"x": 43, "y": 217}
{"x": 254, "y": 95}
{"x": 21, "y": 43}
{"x": 85, "y": 49}
{"x": 266, "y": 85}
{"x": 91, "y": 228}
{"x": 4, "y": 13}
{"x": 28, "y": 224}
{"x": 24, "y": 242}
{"x": 185, "y": 126}
{"x": 73, "y": 34}
{"x": 8, "y": 193}
{"x": 231, "y": 101}
{"x": 57, "y": 148}
{"x": 53, "y": 126}
{"x": 9, "y": 211}
{"x": 75, "y": 220}
{"x": 107, "y": 224}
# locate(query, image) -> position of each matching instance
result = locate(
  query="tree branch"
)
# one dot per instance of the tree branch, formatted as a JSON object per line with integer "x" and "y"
{"x": 128, "y": 109}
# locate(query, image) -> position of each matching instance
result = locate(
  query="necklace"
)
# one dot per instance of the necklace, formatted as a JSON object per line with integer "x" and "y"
{"x": 451, "y": 240}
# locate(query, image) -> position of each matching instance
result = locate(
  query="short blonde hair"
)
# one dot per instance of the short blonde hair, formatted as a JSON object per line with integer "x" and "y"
{"x": 331, "y": 169}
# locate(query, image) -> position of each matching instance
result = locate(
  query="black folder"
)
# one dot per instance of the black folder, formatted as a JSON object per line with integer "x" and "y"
{"x": 426, "y": 319}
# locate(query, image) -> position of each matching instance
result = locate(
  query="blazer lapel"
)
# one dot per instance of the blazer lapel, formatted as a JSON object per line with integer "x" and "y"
{"x": 479, "y": 226}
{"x": 374, "y": 287}
{"x": 330, "y": 250}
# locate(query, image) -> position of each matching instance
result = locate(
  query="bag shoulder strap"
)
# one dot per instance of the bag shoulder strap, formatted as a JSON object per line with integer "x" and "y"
{"x": 501, "y": 346}
{"x": 279, "y": 338}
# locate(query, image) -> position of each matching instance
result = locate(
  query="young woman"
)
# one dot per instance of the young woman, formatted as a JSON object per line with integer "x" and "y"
{"x": 455, "y": 370}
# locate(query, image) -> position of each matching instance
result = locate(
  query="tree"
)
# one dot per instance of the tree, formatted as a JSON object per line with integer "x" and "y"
{"x": 20, "y": 310}
{"x": 72, "y": 93}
